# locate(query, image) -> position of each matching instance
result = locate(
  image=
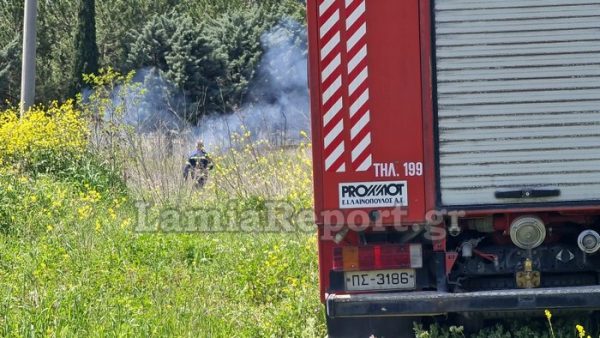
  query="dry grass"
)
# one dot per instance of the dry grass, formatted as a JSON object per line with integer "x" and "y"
{"x": 154, "y": 167}
{"x": 246, "y": 169}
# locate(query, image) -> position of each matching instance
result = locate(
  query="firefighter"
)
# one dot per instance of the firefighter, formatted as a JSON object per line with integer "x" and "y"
{"x": 198, "y": 165}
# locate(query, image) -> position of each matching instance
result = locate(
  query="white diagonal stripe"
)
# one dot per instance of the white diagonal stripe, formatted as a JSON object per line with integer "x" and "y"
{"x": 333, "y": 111}
{"x": 335, "y": 40}
{"x": 364, "y": 97}
{"x": 331, "y": 67}
{"x": 342, "y": 168}
{"x": 325, "y": 6}
{"x": 360, "y": 148}
{"x": 330, "y": 160}
{"x": 360, "y": 125}
{"x": 335, "y": 132}
{"x": 366, "y": 164}
{"x": 360, "y": 78}
{"x": 360, "y": 10}
{"x": 348, "y": 3}
{"x": 328, "y": 25}
{"x": 356, "y": 59}
{"x": 357, "y": 36}
{"x": 327, "y": 94}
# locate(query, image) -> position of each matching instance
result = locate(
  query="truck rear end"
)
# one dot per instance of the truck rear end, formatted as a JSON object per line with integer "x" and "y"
{"x": 456, "y": 156}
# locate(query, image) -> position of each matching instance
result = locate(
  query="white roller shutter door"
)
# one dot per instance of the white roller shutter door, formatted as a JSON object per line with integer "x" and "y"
{"x": 518, "y": 100}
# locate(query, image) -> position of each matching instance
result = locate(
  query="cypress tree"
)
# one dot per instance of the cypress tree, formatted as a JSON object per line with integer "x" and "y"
{"x": 86, "y": 48}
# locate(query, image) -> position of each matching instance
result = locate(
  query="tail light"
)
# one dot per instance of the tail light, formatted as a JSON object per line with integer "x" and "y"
{"x": 377, "y": 257}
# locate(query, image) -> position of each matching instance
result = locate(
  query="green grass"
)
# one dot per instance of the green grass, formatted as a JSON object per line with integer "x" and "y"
{"x": 75, "y": 280}
{"x": 71, "y": 265}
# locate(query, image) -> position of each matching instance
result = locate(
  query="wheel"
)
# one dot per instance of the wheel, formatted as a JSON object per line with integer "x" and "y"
{"x": 364, "y": 327}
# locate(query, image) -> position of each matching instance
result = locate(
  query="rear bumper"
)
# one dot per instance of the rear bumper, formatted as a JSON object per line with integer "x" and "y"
{"x": 435, "y": 303}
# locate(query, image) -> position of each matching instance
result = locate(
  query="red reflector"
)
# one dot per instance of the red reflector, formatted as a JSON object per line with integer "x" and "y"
{"x": 338, "y": 259}
{"x": 378, "y": 257}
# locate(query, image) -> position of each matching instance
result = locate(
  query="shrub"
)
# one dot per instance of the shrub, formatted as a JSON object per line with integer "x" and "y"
{"x": 44, "y": 140}
{"x": 181, "y": 53}
{"x": 236, "y": 37}
{"x": 53, "y": 141}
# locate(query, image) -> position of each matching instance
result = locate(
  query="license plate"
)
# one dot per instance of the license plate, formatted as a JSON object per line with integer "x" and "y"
{"x": 380, "y": 280}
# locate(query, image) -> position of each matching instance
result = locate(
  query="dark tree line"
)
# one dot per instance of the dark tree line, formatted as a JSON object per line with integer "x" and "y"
{"x": 207, "y": 50}
{"x": 86, "y": 48}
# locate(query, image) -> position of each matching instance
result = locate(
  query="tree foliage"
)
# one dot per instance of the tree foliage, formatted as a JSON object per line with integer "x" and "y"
{"x": 182, "y": 54}
{"x": 56, "y": 26}
{"x": 152, "y": 43}
{"x": 86, "y": 49}
{"x": 208, "y": 50}
{"x": 10, "y": 68}
{"x": 236, "y": 36}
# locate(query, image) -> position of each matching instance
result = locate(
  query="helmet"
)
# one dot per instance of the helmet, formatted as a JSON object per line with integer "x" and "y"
{"x": 200, "y": 144}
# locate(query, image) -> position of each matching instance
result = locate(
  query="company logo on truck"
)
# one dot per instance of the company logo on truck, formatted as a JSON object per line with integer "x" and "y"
{"x": 373, "y": 195}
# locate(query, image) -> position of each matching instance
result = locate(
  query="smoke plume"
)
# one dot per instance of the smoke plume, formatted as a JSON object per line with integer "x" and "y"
{"x": 276, "y": 110}
{"x": 278, "y": 105}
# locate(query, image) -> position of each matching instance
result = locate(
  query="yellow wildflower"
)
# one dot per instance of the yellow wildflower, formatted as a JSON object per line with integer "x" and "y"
{"x": 112, "y": 213}
{"x": 57, "y": 129}
{"x": 549, "y": 317}
{"x": 580, "y": 331}
{"x": 84, "y": 212}
{"x": 126, "y": 223}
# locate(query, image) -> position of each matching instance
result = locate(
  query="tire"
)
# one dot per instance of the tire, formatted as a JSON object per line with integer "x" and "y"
{"x": 364, "y": 327}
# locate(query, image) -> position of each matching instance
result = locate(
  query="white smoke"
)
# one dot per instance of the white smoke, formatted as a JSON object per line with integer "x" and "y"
{"x": 278, "y": 108}
{"x": 146, "y": 103}
{"x": 152, "y": 105}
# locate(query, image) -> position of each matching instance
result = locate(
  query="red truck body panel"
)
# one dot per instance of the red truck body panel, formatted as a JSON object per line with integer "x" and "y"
{"x": 367, "y": 115}
{"x": 400, "y": 127}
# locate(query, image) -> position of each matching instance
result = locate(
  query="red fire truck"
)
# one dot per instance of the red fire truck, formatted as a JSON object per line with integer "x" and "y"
{"x": 456, "y": 158}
